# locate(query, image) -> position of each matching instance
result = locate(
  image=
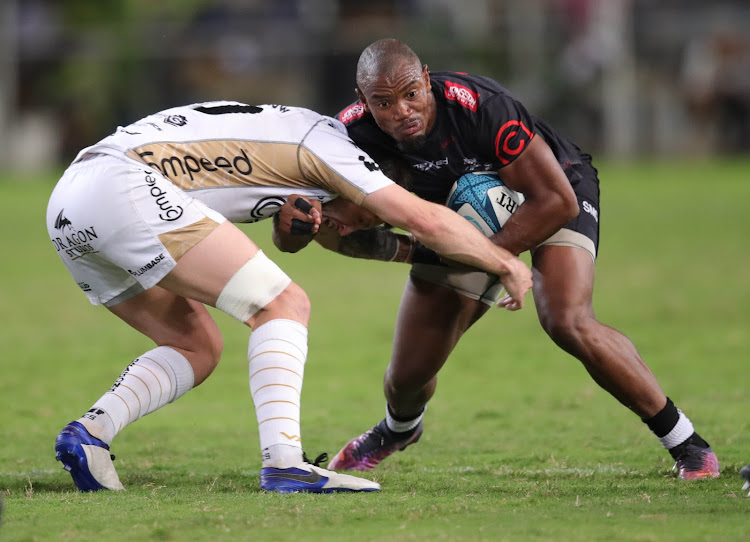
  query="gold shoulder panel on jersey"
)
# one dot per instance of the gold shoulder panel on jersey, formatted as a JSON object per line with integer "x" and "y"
{"x": 222, "y": 163}
{"x": 326, "y": 177}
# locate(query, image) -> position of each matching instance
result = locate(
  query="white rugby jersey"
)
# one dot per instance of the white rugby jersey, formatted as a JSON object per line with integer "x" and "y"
{"x": 245, "y": 160}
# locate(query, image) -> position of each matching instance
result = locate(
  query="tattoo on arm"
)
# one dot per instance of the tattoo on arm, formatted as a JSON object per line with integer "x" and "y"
{"x": 376, "y": 244}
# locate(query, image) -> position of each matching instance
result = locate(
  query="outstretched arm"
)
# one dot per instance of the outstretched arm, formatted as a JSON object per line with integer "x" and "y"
{"x": 379, "y": 243}
{"x": 451, "y": 236}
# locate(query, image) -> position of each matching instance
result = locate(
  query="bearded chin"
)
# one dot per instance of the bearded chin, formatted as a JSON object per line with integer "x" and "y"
{"x": 412, "y": 144}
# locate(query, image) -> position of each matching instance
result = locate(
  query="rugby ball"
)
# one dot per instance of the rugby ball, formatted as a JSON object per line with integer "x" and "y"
{"x": 483, "y": 199}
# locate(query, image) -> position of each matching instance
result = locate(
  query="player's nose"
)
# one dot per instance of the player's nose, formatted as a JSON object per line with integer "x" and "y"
{"x": 402, "y": 110}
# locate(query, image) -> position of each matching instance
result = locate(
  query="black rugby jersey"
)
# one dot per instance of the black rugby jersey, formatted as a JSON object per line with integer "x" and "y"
{"x": 479, "y": 126}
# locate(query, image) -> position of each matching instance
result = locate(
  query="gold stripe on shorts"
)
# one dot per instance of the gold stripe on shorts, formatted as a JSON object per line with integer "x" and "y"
{"x": 179, "y": 241}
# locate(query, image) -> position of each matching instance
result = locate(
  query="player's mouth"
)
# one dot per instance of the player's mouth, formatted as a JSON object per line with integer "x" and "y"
{"x": 411, "y": 127}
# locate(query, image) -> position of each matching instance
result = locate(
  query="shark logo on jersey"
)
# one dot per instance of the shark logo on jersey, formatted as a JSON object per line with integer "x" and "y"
{"x": 61, "y": 222}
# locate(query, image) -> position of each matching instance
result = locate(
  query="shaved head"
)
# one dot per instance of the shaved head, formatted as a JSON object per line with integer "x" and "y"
{"x": 381, "y": 58}
{"x": 395, "y": 89}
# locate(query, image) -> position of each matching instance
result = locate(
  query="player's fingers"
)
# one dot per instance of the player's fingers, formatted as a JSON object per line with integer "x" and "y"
{"x": 300, "y": 227}
{"x": 303, "y": 205}
{"x": 504, "y": 301}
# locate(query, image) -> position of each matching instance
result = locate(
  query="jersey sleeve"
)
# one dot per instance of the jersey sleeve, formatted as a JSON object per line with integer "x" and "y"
{"x": 505, "y": 128}
{"x": 330, "y": 159}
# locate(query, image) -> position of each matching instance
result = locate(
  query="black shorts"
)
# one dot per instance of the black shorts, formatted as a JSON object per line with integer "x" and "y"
{"x": 585, "y": 181}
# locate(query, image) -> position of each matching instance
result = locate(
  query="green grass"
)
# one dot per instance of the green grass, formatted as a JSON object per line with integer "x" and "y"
{"x": 520, "y": 444}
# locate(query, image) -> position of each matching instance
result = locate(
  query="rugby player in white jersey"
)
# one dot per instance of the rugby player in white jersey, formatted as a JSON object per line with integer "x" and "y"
{"x": 143, "y": 221}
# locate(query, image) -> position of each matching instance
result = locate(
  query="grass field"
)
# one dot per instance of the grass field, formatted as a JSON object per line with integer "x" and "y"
{"x": 520, "y": 444}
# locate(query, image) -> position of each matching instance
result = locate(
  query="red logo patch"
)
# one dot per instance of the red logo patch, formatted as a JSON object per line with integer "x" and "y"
{"x": 511, "y": 139}
{"x": 352, "y": 112}
{"x": 461, "y": 94}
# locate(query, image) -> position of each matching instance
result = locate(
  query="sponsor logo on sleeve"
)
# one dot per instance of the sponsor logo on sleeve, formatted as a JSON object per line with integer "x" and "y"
{"x": 461, "y": 94}
{"x": 353, "y": 112}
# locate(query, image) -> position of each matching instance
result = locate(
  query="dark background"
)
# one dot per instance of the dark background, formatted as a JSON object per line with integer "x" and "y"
{"x": 623, "y": 78}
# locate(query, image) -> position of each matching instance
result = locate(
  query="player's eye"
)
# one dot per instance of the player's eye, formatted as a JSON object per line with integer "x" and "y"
{"x": 412, "y": 94}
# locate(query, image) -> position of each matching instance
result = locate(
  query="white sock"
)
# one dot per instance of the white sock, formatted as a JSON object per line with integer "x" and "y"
{"x": 154, "y": 379}
{"x": 401, "y": 427}
{"x": 277, "y": 352}
{"x": 679, "y": 433}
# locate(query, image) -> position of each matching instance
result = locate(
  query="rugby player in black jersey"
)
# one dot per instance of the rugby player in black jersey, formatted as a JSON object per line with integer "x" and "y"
{"x": 430, "y": 129}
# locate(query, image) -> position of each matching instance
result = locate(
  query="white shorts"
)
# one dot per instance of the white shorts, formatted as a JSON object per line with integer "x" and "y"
{"x": 119, "y": 228}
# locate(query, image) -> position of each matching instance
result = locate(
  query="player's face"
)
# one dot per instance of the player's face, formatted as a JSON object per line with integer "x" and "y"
{"x": 346, "y": 217}
{"x": 401, "y": 103}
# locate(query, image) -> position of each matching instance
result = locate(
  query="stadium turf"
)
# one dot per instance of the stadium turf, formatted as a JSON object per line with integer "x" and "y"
{"x": 519, "y": 443}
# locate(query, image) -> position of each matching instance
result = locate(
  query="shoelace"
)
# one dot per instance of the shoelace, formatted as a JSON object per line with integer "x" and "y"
{"x": 322, "y": 458}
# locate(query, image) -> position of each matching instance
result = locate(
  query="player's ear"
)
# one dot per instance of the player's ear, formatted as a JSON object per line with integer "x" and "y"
{"x": 362, "y": 98}
{"x": 426, "y": 76}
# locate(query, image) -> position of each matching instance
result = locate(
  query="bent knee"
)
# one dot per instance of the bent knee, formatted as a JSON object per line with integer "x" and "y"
{"x": 253, "y": 287}
{"x": 292, "y": 303}
{"x": 567, "y": 326}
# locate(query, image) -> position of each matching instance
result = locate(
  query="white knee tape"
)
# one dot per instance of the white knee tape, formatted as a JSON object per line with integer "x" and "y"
{"x": 252, "y": 287}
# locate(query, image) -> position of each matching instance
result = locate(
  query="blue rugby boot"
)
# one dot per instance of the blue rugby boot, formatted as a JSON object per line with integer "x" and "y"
{"x": 309, "y": 478}
{"x": 87, "y": 459}
{"x": 745, "y": 474}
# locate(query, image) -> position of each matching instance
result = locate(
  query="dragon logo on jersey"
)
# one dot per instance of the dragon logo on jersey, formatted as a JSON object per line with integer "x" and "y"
{"x": 353, "y": 112}
{"x": 461, "y": 94}
{"x": 61, "y": 222}
{"x": 511, "y": 139}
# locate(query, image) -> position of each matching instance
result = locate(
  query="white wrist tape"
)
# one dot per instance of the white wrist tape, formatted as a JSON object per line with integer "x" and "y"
{"x": 252, "y": 287}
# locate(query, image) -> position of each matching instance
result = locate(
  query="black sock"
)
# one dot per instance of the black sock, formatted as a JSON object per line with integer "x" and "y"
{"x": 664, "y": 420}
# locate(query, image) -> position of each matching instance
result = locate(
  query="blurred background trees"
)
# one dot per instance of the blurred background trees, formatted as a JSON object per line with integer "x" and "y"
{"x": 621, "y": 77}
